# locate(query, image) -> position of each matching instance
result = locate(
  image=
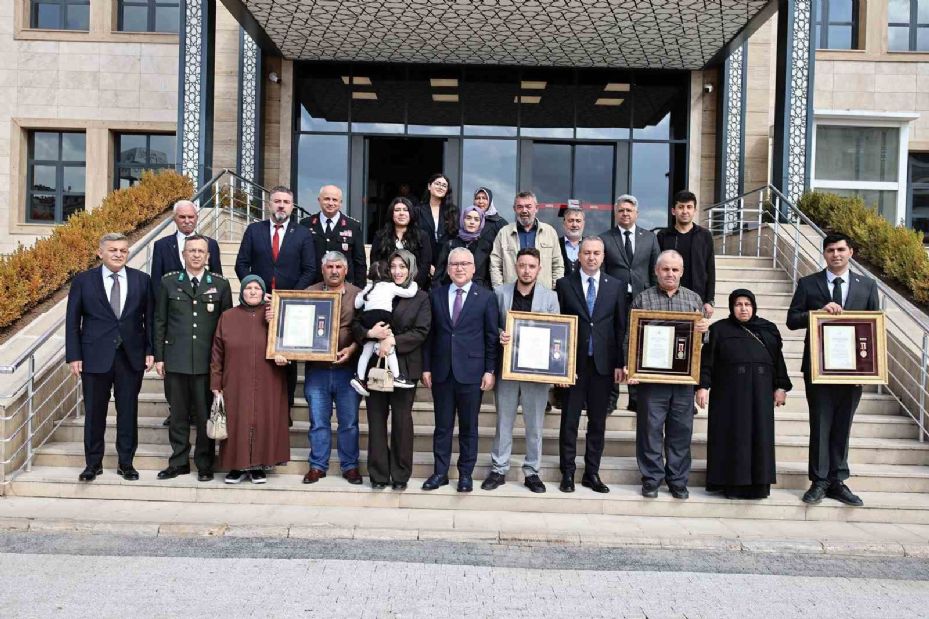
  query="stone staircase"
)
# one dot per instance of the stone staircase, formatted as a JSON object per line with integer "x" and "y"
{"x": 889, "y": 463}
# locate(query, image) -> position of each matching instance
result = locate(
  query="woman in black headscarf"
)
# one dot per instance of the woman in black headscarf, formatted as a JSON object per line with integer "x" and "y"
{"x": 743, "y": 375}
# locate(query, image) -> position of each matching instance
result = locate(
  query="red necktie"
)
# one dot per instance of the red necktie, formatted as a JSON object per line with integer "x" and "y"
{"x": 275, "y": 247}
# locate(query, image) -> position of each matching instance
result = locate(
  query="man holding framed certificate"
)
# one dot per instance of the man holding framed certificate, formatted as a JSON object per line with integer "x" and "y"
{"x": 832, "y": 406}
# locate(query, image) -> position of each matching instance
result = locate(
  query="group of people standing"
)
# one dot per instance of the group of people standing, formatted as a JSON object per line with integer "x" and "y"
{"x": 450, "y": 277}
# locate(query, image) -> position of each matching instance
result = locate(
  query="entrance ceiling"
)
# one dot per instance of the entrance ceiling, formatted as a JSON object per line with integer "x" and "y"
{"x": 658, "y": 34}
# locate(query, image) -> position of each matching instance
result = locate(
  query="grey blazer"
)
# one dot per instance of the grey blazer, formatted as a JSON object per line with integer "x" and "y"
{"x": 544, "y": 300}
{"x": 641, "y": 273}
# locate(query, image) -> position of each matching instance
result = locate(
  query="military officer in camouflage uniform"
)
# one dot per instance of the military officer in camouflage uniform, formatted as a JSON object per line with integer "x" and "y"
{"x": 187, "y": 309}
{"x": 333, "y": 230}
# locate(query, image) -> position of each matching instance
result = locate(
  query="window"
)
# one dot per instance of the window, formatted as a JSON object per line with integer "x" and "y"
{"x": 919, "y": 193}
{"x": 836, "y": 24}
{"x": 138, "y": 152}
{"x": 55, "y": 176}
{"x": 60, "y": 14}
{"x": 908, "y": 25}
{"x": 148, "y": 16}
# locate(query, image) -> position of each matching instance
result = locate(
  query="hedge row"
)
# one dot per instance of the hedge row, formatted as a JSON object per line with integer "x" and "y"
{"x": 30, "y": 275}
{"x": 897, "y": 252}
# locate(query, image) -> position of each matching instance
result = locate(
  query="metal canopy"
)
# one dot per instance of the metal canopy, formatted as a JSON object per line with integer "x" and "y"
{"x": 656, "y": 34}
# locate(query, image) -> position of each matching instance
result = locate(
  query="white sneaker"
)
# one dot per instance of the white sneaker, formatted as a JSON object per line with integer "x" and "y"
{"x": 359, "y": 386}
{"x": 235, "y": 477}
{"x": 404, "y": 383}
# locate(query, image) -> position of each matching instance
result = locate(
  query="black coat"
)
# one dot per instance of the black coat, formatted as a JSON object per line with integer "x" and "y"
{"x": 607, "y": 326}
{"x": 701, "y": 264}
{"x": 165, "y": 259}
{"x": 381, "y": 250}
{"x": 427, "y": 225}
{"x": 347, "y": 238}
{"x": 480, "y": 247}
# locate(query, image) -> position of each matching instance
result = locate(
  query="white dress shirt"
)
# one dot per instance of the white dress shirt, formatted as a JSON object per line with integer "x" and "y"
{"x": 451, "y": 296}
{"x": 323, "y": 219}
{"x": 123, "y": 285}
{"x": 830, "y": 278}
{"x": 282, "y": 231}
{"x": 181, "y": 238}
{"x": 585, "y": 282}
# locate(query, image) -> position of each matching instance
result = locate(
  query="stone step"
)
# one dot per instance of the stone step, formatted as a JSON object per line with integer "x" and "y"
{"x": 725, "y": 272}
{"x": 761, "y": 287}
{"x": 287, "y": 489}
{"x": 743, "y": 261}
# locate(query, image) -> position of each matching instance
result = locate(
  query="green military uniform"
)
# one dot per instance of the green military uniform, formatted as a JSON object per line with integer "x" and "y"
{"x": 185, "y": 322}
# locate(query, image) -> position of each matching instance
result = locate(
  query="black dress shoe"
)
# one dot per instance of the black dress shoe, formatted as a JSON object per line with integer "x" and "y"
{"x": 679, "y": 492}
{"x": 534, "y": 484}
{"x": 378, "y": 485}
{"x": 127, "y": 472}
{"x": 567, "y": 482}
{"x": 631, "y": 406}
{"x": 842, "y": 494}
{"x": 650, "y": 491}
{"x": 90, "y": 473}
{"x": 815, "y": 494}
{"x": 593, "y": 482}
{"x": 435, "y": 481}
{"x": 205, "y": 476}
{"x": 398, "y": 485}
{"x": 173, "y": 471}
{"x": 465, "y": 484}
{"x": 493, "y": 481}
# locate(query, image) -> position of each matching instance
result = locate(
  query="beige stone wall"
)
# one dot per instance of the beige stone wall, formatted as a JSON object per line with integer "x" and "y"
{"x": 703, "y": 132}
{"x": 225, "y": 90}
{"x": 759, "y": 111}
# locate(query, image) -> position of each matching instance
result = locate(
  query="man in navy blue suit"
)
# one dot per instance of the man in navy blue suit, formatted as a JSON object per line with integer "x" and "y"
{"x": 108, "y": 343}
{"x": 281, "y": 252}
{"x": 167, "y": 254}
{"x": 459, "y": 363}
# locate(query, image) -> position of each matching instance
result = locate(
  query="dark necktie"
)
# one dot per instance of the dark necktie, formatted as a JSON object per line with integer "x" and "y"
{"x": 328, "y": 226}
{"x": 627, "y": 245}
{"x": 837, "y": 290}
{"x": 114, "y": 295}
{"x": 456, "y": 308}
{"x": 194, "y": 282}
{"x": 591, "y": 301}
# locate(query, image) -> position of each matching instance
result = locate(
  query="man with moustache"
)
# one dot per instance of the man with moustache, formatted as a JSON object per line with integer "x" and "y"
{"x": 572, "y": 223}
{"x": 526, "y": 231}
{"x": 333, "y": 230}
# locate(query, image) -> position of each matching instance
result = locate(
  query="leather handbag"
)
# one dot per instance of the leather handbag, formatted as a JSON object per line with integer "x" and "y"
{"x": 380, "y": 378}
{"x": 216, "y": 424}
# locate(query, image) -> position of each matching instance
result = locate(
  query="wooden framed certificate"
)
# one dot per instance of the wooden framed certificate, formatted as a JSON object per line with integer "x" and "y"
{"x": 848, "y": 348}
{"x": 305, "y": 325}
{"x": 541, "y": 348}
{"x": 664, "y": 347}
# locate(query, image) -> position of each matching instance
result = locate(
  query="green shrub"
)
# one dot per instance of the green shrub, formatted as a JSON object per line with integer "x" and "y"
{"x": 30, "y": 275}
{"x": 896, "y": 251}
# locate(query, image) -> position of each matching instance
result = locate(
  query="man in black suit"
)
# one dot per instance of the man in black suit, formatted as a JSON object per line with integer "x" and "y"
{"x": 459, "y": 362}
{"x": 108, "y": 343}
{"x": 167, "y": 257}
{"x": 572, "y": 223}
{"x": 630, "y": 254}
{"x": 598, "y": 301}
{"x": 281, "y": 253}
{"x": 333, "y": 230}
{"x": 832, "y": 407}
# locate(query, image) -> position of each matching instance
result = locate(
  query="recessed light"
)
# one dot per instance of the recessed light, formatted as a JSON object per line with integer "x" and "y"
{"x": 608, "y": 101}
{"x": 443, "y": 83}
{"x": 370, "y": 96}
{"x": 527, "y": 99}
{"x": 614, "y": 87}
{"x": 532, "y": 85}
{"x": 358, "y": 81}
{"x": 445, "y": 98}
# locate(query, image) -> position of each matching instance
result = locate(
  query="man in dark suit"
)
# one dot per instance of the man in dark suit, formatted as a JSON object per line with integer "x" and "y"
{"x": 598, "y": 301}
{"x": 333, "y": 230}
{"x": 108, "y": 343}
{"x": 832, "y": 407}
{"x": 167, "y": 256}
{"x": 630, "y": 254}
{"x": 572, "y": 223}
{"x": 282, "y": 254}
{"x": 189, "y": 305}
{"x": 459, "y": 362}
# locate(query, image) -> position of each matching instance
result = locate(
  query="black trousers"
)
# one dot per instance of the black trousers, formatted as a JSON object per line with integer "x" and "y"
{"x": 832, "y": 409}
{"x": 125, "y": 383}
{"x": 464, "y": 400}
{"x": 191, "y": 400}
{"x": 594, "y": 390}
{"x": 390, "y": 460}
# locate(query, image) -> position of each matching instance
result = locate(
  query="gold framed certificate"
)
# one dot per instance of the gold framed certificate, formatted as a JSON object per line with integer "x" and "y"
{"x": 848, "y": 348}
{"x": 664, "y": 347}
{"x": 304, "y": 325}
{"x": 541, "y": 348}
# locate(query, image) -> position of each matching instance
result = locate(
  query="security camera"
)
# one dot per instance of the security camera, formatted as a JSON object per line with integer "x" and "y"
{"x": 274, "y": 77}
{"x": 708, "y": 88}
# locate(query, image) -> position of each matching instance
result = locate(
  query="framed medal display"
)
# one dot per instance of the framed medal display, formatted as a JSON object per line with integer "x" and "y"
{"x": 664, "y": 347}
{"x": 305, "y": 325}
{"x": 848, "y": 348}
{"x": 541, "y": 348}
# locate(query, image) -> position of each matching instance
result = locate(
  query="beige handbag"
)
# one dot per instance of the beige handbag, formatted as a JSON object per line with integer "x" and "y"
{"x": 216, "y": 424}
{"x": 380, "y": 378}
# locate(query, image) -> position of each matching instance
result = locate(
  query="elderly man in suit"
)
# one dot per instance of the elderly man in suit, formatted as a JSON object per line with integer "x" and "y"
{"x": 333, "y": 230}
{"x": 572, "y": 224}
{"x": 597, "y": 300}
{"x": 630, "y": 253}
{"x": 282, "y": 253}
{"x": 832, "y": 407}
{"x": 168, "y": 256}
{"x": 524, "y": 295}
{"x": 460, "y": 361}
{"x": 108, "y": 343}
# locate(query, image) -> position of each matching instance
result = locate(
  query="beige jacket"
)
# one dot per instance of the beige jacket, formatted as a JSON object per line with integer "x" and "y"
{"x": 506, "y": 246}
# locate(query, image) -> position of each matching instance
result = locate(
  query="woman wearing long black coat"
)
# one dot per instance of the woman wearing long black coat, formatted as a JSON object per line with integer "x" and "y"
{"x": 743, "y": 368}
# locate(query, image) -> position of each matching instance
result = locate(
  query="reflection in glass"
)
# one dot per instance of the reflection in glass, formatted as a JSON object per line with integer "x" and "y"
{"x": 488, "y": 98}
{"x": 162, "y": 149}
{"x": 547, "y": 107}
{"x": 651, "y": 179}
{"x": 380, "y": 107}
{"x": 884, "y": 201}
{"x": 43, "y": 178}
{"x": 919, "y": 216}
{"x": 323, "y": 97}
{"x": 898, "y": 38}
{"x": 42, "y": 207}
{"x": 604, "y": 105}
{"x": 321, "y": 160}
{"x": 135, "y": 18}
{"x": 898, "y": 11}
{"x": 45, "y": 146}
{"x": 73, "y": 179}
{"x": 551, "y": 172}
{"x": 72, "y": 147}
{"x": 660, "y": 111}
{"x": 71, "y": 205}
{"x": 593, "y": 173}
{"x": 78, "y": 17}
{"x": 167, "y": 19}
{"x": 857, "y": 153}
{"x": 491, "y": 164}
{"x": 433, "y": 102}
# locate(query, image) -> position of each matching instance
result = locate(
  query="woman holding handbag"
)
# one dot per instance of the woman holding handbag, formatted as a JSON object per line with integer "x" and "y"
{"x": 253, "y": 389}
{"x": 391, "y": 461}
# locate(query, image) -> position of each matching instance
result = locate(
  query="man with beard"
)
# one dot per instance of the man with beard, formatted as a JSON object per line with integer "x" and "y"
{"x": 526, "y": 231}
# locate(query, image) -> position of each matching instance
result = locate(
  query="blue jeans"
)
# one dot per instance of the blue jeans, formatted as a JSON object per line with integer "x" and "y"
{"x": 322, "y": 387}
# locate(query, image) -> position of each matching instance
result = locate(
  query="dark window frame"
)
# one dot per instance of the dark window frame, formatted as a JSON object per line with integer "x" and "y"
{"x": 118, "y": 164}
{"x": 823, "y": 21}
{"x": 914, "y": 26}
{"x": 62, "y": 14}
{"x": 152, "y": 6}
{"x": 60, "y": 164}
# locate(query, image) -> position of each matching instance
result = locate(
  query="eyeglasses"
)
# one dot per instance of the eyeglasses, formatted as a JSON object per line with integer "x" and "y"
{"x": 440, "y": 184}
{"x": 459, "y": 265}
